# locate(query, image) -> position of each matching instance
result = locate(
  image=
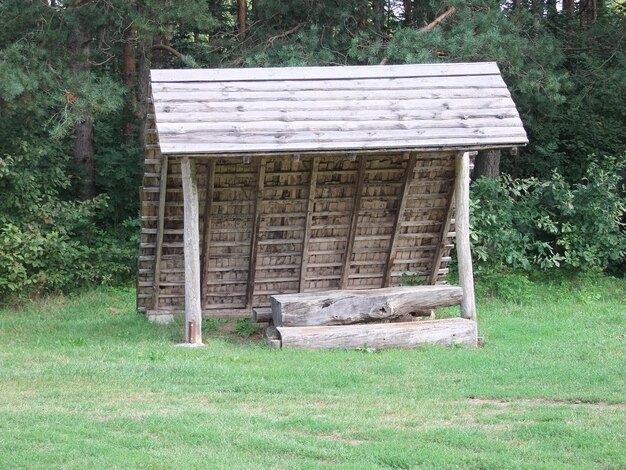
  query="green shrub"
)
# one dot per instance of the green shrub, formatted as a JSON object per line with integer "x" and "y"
{"x": 529, "y": 224}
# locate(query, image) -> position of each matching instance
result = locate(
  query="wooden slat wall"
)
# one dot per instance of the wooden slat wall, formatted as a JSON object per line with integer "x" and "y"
{"x": 276, "y": 210}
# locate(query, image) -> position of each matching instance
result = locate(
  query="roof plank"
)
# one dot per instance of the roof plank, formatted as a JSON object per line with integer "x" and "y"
{"x": 234, "y": 111}
{"x": 334, "y": 72}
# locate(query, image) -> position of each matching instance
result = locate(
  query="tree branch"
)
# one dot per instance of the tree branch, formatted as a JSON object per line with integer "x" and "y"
{"x": 436, "y": 21}
{"x": 270, "y": 41}
{"x": 170, "y": 49}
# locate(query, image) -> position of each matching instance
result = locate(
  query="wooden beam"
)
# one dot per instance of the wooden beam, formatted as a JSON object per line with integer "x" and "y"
{"x": 206, "y": 230}
{"x": 343, "y": 307}
{"x": 191, "y": 247}
{"x": 309, "y": 221}
{"x": 160, "y": 229}
{"x": 256, "y": 224}
{"x": 406, "y": 185}
{"x": 356, "y": 205}
{"x": 443, "y": 235}
{"x": 381, "y": 335}
{"x": 463, "y": 250}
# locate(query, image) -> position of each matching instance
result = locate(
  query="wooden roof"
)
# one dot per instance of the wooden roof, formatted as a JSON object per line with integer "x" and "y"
{"x": 347, "y": 108}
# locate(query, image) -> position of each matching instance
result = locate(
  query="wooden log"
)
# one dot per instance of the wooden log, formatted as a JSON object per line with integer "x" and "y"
{"x": 273, "y": 340}
{"x": 358, "y": 306}
{"x": 462, "y": 227}
{"x": 381, "y": 335}
{"x": 261, "y": 314}
{"x": 191, "y": 247}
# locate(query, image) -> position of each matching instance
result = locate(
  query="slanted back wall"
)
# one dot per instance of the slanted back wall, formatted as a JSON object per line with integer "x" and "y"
{"x": 265, "y": 217}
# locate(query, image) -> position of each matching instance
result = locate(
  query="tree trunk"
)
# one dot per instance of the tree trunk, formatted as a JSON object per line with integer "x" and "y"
{"x": 84, "y": 157}
{"x": 408, "y": 12}
{"x": 143, "y": 87}
{"x": 129, "y": 63}
{"x": 242, "y": 12}
{"x": 83, "y": 127}
{"x": 378, "y": 9}
{"x": 487, "y": 164}
{"x": 569, "y": 7}
{"x": 588, "y": 12}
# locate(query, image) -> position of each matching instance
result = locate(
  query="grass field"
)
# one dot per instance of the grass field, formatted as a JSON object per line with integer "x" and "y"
{"x": 85, "y": 382}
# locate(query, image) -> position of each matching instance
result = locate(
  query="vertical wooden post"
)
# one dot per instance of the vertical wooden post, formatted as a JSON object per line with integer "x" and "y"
{"x": 309, "y": 221}
{"x": 407, "y": 178}
{"x": 466, "y": 275}
{"x": 356, "y": 206}
{"x": 254, "y": 241}
{"x": 206, "y": 230}
{"x": 160, "y": 229}
{"x": 191, "y": 246}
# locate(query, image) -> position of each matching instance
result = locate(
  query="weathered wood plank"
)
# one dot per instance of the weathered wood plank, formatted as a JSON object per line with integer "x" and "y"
{"x": 318, "y": 89}
{"x": 354, "y": 218}
{"x": 406, "y": 186}
{"x": 193, "y": 307}
{"x": 461, "y": 220}
{"x": 443, "y": 237}
{"x": 207, "y": 226}
{"x": 421, "y": 108}
{"x": 445, "y": 332}
{"x": 286, "y": 136}
{"x": 256, "y": 224}
{"x": 160, "y": 228}
{"x": 457, "y": 83}
{"x": 282, "y": 126}
{"x": 355, "y": 306}
{"x": 457, "y": 143}
{"x": 262, "y": 314}
{"x": 309, "y": 221}
{"x": 339, "y": 72}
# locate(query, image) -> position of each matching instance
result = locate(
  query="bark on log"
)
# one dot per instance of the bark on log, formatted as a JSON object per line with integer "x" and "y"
{"x": 357, "y": 306}
{"x": 462, "y": 225}
{"x": 191, "y": 248}
{"x": 381, "y": 335}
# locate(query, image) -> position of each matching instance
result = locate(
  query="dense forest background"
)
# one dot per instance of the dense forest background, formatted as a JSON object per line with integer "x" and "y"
{"x": 74, "y": 86}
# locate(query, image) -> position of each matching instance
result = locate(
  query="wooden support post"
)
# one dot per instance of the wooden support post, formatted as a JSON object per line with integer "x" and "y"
{"x": 356, "y": 205}
{"x": 160, "y": 229}
{"x": 466, "y": 275}
{"x": 407, "y": 178}
{"x": 309, "y": 221}
{"x": 256, "y": 224}
{"x": 206, "y": 230}
{"x": 191, "y": 246}
{"x": 443, "y": 235}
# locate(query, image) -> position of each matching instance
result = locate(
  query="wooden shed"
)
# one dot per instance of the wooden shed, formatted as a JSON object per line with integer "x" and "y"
{"x": 283, "y": 180}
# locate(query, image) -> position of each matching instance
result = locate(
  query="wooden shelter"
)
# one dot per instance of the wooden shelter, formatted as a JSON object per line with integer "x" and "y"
{"x": 283, "y": 180}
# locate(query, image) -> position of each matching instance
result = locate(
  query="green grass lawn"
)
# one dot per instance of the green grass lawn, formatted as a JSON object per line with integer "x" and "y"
{"x": 85, "y": 382}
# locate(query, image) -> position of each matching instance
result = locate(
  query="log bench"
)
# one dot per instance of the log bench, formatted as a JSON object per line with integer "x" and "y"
{"x": 347, "y": 319}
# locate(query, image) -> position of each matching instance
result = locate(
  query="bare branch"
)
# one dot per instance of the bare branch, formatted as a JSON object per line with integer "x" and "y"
{"x": 436, "y": 21}
{"x": 270, "y": 41}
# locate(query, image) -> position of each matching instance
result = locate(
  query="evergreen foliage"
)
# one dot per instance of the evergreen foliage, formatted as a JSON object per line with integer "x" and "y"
{"x": 74, "y": 82}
